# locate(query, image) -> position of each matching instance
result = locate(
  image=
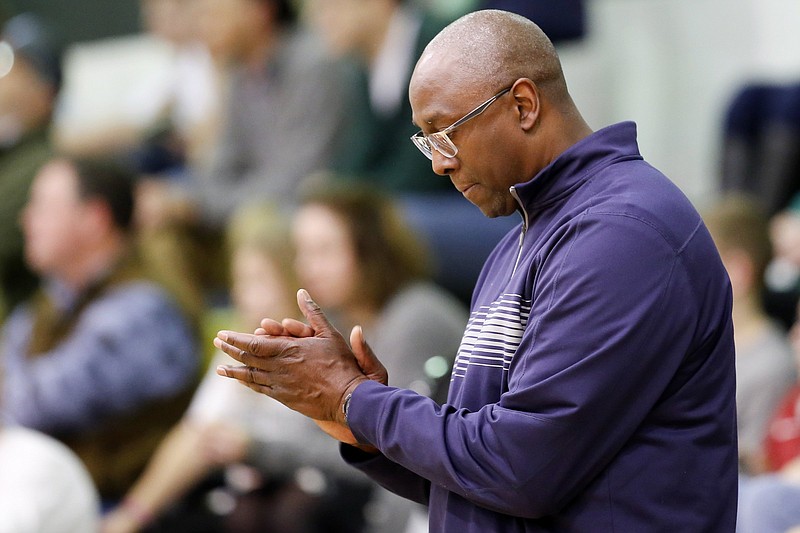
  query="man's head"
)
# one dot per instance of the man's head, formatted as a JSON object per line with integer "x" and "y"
{"x": 518, "y": 134}
{"x": 30, "y": 76}
{"x": 77, "y": 218}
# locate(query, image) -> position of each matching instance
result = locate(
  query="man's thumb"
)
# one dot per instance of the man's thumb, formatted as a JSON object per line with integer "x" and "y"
{"x": 313, "y": 313}
{"x": 366, "y": 358}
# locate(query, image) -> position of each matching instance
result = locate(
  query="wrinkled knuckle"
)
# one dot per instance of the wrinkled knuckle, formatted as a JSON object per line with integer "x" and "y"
{"x": 253, "y": 346}
{"x": 292, "y": 351}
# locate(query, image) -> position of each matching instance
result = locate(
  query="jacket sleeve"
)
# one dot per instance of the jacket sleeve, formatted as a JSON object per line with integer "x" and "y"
{"x": 613, "y": 317}
{"x": 388, "y": 474}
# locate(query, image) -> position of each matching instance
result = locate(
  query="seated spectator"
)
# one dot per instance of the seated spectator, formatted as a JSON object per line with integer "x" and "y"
{"x": 150, "y": 97}
{"x": 783, "y": 273}
{"x": 770, "y": 503}
{"x": 384, "y": 38}
{"x": 102, "y": 357}
{"x": 764, "y": 368}
{"x": 276, "y": 128}
{"x": 364, "y": 266}
{"x": 782, "y": 443}
{"x": 229, "y": 426}
{"x": 30, "y": 78}
{"x": 45, "y": 488}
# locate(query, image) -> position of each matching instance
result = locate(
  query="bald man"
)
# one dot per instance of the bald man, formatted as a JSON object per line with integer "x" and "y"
{"x": 594, "y": 389}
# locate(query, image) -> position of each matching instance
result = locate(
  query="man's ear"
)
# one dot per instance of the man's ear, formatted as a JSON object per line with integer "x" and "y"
{"x": 526, "y": 97}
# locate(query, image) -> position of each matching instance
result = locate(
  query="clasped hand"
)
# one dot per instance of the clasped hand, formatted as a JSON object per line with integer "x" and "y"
{"x": 307, "y": 367}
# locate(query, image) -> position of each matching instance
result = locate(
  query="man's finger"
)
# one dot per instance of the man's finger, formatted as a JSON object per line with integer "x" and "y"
{"x": 246, "y": 374}
{"x": 295, "y": 328}
{"x": 316, "y": 318}
{"x": 243, "y": 374}
{"x": 366, "y": 358}
{"x": 270, "y": 327}
{"x": 247, "y": 348}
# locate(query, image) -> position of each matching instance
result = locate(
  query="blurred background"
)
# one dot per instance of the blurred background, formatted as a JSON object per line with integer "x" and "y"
{"x": 673, "y": 66}
{"x": 248, "y": 133}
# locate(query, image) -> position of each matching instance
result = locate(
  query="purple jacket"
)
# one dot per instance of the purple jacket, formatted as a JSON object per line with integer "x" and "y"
{"x": 594, "y": 389}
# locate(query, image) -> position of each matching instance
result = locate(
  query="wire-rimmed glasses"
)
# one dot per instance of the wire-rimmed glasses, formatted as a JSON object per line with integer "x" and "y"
{"x": 440, "y": 141}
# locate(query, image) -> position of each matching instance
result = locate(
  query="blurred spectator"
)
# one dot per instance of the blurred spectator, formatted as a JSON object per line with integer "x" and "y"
{"x": 782, "y": 444}
{"x": 771, "y": 503}
{"x": 385, "y": 38}
{"x": 278, "y": 125}
{"x": 362, "y": 264}
{"x": 764, "y": 368}
{"x": 783, "y": 273}
{"x": 30, "y": 76}
{"x": 101, "y": 358}
{"x": 297, "y": 482}
{"x": 45, "y": 488}
{"x": 151, "y": 97}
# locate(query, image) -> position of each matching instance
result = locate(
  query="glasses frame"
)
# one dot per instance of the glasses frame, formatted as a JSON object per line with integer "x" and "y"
{"x": 440, "y": 141}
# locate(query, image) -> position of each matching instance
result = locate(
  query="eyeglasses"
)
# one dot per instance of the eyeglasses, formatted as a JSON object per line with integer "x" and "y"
{"x": 440, "y": 141}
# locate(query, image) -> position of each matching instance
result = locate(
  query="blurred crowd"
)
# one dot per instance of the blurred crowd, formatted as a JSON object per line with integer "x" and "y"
{"x": 157, "y": 187}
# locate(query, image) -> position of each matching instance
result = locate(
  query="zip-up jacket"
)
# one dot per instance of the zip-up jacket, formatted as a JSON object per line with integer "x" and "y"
{"x": 594, "y": 389}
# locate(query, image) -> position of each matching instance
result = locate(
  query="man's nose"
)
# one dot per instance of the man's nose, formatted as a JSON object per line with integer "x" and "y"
{"x": 443, "y": 165}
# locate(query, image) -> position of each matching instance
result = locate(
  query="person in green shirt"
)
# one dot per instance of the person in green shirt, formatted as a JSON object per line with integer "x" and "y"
{"x": 383, "y": 39}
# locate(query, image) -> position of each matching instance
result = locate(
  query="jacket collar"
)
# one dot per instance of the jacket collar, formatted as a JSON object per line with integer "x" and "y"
{"x": 576, "y": 164}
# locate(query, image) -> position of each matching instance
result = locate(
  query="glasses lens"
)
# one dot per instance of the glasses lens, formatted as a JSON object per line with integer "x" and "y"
{"x": 422, "y": 143}
{"x": 442, "y": 143}
{"x": 438, "y": 141}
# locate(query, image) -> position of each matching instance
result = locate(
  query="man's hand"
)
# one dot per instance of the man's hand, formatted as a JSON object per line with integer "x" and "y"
{"x": 366, "y": 360}
{"x": 308, "y": 368}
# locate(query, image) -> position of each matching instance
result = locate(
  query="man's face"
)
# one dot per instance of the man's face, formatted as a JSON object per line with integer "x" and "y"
{"x": 484, "y": 168}
{"x": 52, "y": 220}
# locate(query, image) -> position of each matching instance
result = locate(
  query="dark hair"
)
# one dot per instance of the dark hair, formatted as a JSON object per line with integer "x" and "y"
{"x": 108, "y": 181}
{"x": 388, "y": 252}
{"x": 285, "y": 12}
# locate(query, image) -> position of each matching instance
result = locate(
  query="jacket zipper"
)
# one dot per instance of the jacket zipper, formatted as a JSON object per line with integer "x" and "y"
{"x": 524, "y": 215}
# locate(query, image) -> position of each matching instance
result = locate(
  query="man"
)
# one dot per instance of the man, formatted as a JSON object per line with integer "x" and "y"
{"x": 30, "y": 76}
{"x": 101, "y": 358}
{"x": 284, "y": 110}
{"x": 594, "y": 389}
{"x": 385, "y": 38}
